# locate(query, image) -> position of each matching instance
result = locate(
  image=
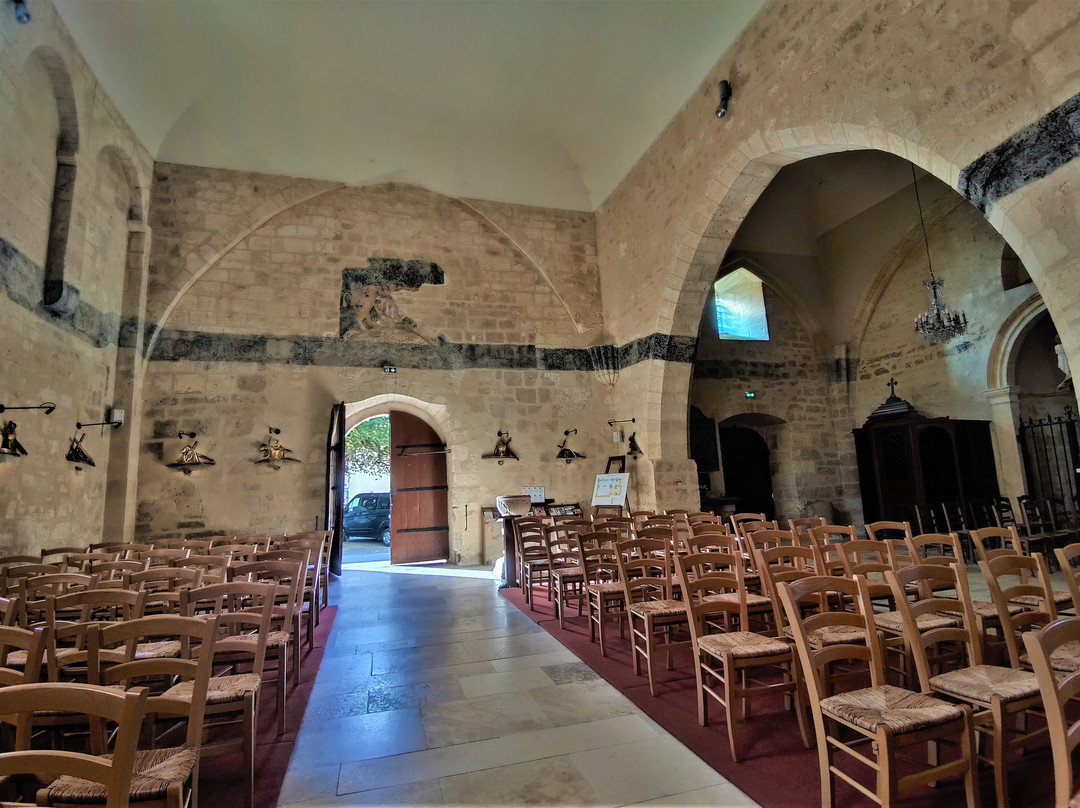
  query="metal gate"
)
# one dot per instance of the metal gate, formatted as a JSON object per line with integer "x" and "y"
{"x": 1051, "y": 456}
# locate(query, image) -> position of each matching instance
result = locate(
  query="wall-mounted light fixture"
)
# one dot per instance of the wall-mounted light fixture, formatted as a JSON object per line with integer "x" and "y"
{"x": 566, "y": 453}
{"x": 22, "y": 13}
{"x": 189, "y": 457}
{"x": 502, "y": 452}
{"x": 617, "y": 435}
{"x": 77, "y": 454}
{"x": 632, "y": 448}
{"x": 9, "y": 444}
{"x": 273, "y": 452}
{"x": 725, "y": 97}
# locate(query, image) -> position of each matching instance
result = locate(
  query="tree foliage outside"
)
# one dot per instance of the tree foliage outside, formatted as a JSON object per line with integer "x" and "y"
{"x": 367, "y": 447}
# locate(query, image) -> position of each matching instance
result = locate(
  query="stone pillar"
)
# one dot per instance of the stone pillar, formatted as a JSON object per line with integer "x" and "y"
{"x": 121, "y": 486}
{"x": 1005, "y": 417}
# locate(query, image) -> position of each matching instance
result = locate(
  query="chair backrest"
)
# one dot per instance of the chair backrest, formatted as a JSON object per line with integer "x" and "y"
{"x": 163, "y": 584}
{"x": 85, "y": 561}
{"x": 645, "y": 569}
{"x": 18, "y": 703}
{"x": 259, "y": 540}
{"x": 935, "y": 548}
{"x": 755, "y": 525}
{"x": 72, "y": 615}
{"x": 287, "y": 575}
{"x": 953, "y": 513}
{"x": 561, "y": 546}
{"x": 816, "y": 658}
{"x": 885, "y": 530}
{"x": 195, "y": 546}
{"x": 801, "y": 526}
{"x": 131, "y": 550}
{"x": 244, "y": 610}
{"x": 832, "y": 534}
{"x": 1032, "y": 518}
{"x": 737, "y": 519}
{"x": 113, "y": 570}
{"x": 1057, "y": 691}
{"x": 702, "y": 576}
{"x": 929, "y": 518}
{"x": 32, "y": 643}
{"x": 235, "y": 552}
{"x": 720, "y": 542}
{"x": 991, "y": 542}
{"x": 599, "y": 559}
{"x": 55, "y": 555}
{"x": 113, "y": 659}
{"x": 623, "y": 525}
{"x": 769, "y": 537}
{"x": 1061, "y": 516}
{"x": 981, "y": 514}
{"x": 1015, "y": 576}
{"x": 598, "y": 538}
{"x": 930, "y": 621}
{"x": 1067, "y": 558}
{"x": 213, "y": 566}
{"x": 782, "y": 564}
{"x": 1004, "y": 515}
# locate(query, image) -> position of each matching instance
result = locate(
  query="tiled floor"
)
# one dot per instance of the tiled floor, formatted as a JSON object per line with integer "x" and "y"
{"x": 434, "y": 690}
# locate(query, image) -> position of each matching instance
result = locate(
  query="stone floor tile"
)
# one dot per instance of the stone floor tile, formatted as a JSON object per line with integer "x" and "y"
{"x": 552, "y": 781}
{"x": 455, "y": 722}
{"x": 720, "y": 796}
{"x": 359, "y": 737}
{"x": 644, "y": 770}
{"x": 489, "y": 684}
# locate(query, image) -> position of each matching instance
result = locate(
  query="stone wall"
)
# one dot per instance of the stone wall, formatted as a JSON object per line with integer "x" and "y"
{"x": 814, "y": 78}
{"x": 52, "y": 114}
{"x": 480, "y": 307}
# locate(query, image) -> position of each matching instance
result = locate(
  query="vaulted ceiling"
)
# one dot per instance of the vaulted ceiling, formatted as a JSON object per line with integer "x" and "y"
{"x": 541, "y": 102}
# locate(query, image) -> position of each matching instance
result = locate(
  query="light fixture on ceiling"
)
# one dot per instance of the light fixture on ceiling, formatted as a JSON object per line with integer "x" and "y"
{"x": 725, "y": 96}
{"x": 22, "y": 13}
{"x": 939, "y": 323}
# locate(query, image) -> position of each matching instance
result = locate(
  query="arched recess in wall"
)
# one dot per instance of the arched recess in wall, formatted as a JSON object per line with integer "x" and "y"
{"x": 57, "y": 295}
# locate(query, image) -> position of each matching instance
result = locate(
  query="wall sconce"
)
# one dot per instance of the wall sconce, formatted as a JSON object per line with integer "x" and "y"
{"x": 189, "y": 458}
{"x": 725, "y": 97}
{"x": 22, "y": 13}
{"x": 502, "y": 452}
{"x": 617, "y": 435}
{"x": 632, "y": 448}
{"x": 9, "y": 444}
{"x": 77, "y": 454}
{"x": 273, "y": 452}
{"x": 566, "y": 453}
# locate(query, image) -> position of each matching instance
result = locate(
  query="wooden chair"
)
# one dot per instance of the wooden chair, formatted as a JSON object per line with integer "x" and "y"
{"x": 780, "y": 564}
{"x": 18, "y": 704}
{"x": 162, "y": 586}
{"x": 603, "y": 593}
{"x": 883, "y": 720}
{"x": 885, "y": 530}
{"x": 826, "y": 540}
{"x": 85, "y": 561}
{"x": 309, "y": 553}
{"x": 997, "y": 694}
{"x": 1056, "y": 692}
{"x": 533, "y": 568}
{"x": 724, "y": 662}
{"x": 566, "y": 576}
{"x": 116, "y": 570}
{"x": 645, "y": 574}
{"x": 234, "y": 552}
{"x": 994, "y": 542}
{"x": 801, "y": 527}
{"x": 167, "y": 773}
{"x": 603, "y": 511}
{"x": 737, "y": 519}
{"x": 244, "y": 611}
{"x": 1024, "y": 581}
{"x": 72, "y": 615}
{"x": 321, "y": 564}
{"x": 623, "y": 525}
{"x": 956, "y": 522}
{"x": 55, "y": 555}
{"x": 22, "y": 653}
{"x": 213, "y": 567}
{"x": 287, "y": 571}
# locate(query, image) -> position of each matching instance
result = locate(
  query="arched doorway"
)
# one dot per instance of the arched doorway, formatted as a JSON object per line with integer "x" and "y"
{"x": 744, "y": 455}
{"x": 419, "y": 479}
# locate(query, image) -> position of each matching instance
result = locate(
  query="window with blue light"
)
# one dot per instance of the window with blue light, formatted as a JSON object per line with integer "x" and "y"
{"x": 740, "y": 306}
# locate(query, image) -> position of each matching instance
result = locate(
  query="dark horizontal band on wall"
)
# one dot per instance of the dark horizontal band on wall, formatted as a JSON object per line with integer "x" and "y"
{"x": 194, "y": 346}
{"x": 1031, "y": 154}
{"x": 23, "y": 281}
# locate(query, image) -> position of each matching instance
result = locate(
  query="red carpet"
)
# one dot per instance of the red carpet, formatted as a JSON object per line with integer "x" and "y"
{"x": 220, "y": 778}
{"x": 776, "y": 771}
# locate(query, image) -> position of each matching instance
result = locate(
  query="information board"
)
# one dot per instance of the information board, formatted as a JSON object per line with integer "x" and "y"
{"x": 610, "y": 489}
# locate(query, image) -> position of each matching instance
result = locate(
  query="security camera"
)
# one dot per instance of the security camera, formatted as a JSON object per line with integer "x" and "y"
{"x": 725, "y": 96}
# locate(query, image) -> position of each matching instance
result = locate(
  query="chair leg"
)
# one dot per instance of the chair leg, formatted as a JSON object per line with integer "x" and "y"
{"x": 283, "y": 668}
{"x": 969, "y": 748}
{"x": 1001, "y": 772}
{"x": 731, "y": 702}
{"x": 250, "y": 714}
{"x": 702, "y": 705}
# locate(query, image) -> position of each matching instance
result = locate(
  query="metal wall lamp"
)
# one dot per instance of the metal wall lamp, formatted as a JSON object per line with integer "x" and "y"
{"x": 189, "y": 457}
{"x": 273, "y": 452}
{"x": 502, "y": 452}
{"x": 9, "y": 444}
{"x": 565, "y": 453}
{"x": 632, "y": 447}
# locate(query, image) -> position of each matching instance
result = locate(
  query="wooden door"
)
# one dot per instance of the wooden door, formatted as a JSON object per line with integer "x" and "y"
{"x": 335, "y": 483}
{"x": 419, "y": 516}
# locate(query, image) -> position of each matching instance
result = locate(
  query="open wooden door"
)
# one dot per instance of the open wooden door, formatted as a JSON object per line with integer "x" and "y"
{"x": 335, "y": 483}
{"x": 419, "y": 516}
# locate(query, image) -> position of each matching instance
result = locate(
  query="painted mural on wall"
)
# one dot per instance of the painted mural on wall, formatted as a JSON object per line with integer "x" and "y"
{"x": 367, "y": 301}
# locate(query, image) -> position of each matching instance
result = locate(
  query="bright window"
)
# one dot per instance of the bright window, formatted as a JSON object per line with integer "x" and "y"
{"x": 740, "y": 306}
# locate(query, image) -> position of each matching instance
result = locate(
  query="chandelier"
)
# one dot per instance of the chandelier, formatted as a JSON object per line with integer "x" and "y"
{"x": 938, "y": 323}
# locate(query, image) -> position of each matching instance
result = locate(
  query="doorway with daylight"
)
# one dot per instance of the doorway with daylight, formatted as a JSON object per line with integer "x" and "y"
{"x": 389, "y": 484}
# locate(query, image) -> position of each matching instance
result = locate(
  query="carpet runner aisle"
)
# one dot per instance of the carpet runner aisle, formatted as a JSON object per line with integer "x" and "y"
{"x": 776, "y": 771}
{"x": 221, "y": 782}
